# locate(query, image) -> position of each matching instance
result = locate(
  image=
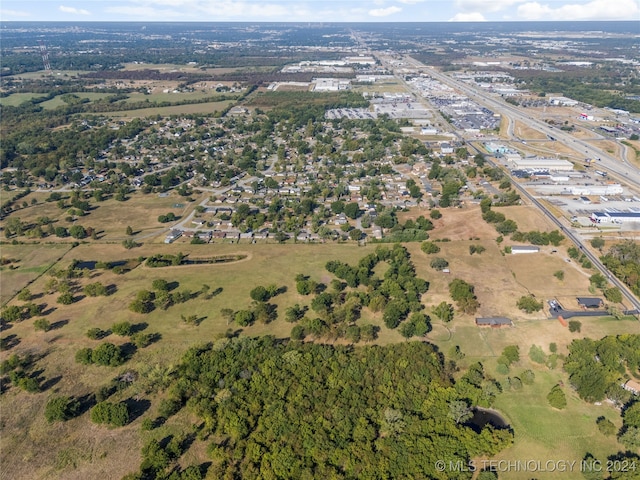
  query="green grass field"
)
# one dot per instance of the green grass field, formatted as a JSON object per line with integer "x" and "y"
{"x": 17, "y": 99}
{"x": 30, "y": 261}
{"x": 209, "y": 107}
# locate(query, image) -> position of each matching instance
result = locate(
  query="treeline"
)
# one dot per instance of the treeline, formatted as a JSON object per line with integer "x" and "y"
{"x": 594, "y": 89}
{"x": 263, "y": 410}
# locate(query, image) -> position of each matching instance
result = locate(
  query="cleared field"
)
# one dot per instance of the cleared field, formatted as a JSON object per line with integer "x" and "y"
{"x": 28, "y": 262}
{"x": 523, "y": 131}
{"x": 162, "y": 96}
{"x": 207, "y": 108}
{"x": 110, "y": 217}
{"x": 16, "y": 99}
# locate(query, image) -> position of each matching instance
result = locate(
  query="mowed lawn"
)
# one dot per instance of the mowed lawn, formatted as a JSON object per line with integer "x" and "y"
{"x": 16, "y": 99}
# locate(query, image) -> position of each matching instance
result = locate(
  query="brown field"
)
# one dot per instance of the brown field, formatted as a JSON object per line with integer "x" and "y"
{"x": 527, "y": 217}
{"x": 608, "y": 146}
{"x": 528, "y": 133}
{"x": 79, "y": 449}
{"x": 110, "y": 217}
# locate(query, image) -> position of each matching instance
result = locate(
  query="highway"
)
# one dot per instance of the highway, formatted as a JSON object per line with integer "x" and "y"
{"x": 578, "y": 242}
{"x": 623, "y": 170}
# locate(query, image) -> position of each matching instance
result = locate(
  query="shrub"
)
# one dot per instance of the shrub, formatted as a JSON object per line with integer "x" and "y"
{"x": 95, "y": 289}
{"x": 528, "y": 377}
{"x": 42, "y": 324}
{"x": 605, "y": 426}
{"x": 529, "y": 304}
{"x": 107, "y": 354}
{"x": 297, "y": 332}
{"x": 83, "y": 356}
{"x": 66, "y": 298}
{"x": 575, "y": 326}
{"x": 439, "y": 264}
{"x": 429, "y": 247}
{"x": 115, "y": 414}
{"x": 556, "y": 398}
{"x": 122, "y": 328}
{"x": 142, "y": 340}
{"x": 96, "y": 333}
{"x": 60, "y": 409}
{"x": 169, "y": 407}
{"x": 537, "y": 355}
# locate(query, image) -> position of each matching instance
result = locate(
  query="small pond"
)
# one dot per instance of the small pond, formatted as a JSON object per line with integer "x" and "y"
{"x": 484, "y": 416}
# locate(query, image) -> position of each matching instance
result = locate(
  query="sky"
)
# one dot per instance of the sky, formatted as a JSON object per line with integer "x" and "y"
{"x": 318, "y": 10}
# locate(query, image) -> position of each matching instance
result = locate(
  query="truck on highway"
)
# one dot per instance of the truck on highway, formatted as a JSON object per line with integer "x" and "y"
{"x": 601, "y": 173}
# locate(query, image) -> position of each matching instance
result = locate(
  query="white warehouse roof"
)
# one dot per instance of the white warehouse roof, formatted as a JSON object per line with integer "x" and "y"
{"x": 541, "y": 164}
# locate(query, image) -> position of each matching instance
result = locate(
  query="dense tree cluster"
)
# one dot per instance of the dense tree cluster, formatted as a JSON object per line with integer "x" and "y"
{"x": 597, "y": 368}
{"x": 387, "y": 420}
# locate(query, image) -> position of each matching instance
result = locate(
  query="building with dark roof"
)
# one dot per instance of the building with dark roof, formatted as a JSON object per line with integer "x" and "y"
{"x": 495, "y": 322}
{"x": 586, "y": 302}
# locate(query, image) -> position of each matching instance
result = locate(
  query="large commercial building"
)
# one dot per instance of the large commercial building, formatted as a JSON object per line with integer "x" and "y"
{"x": 533, "y": 164}
{"x": 613, "y": 189}
{"x": 615, "y": 217}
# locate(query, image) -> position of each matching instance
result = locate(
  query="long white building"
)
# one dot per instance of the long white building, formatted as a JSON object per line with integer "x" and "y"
{"x": 613, "y": 189}
{"x": 533, "y": 164}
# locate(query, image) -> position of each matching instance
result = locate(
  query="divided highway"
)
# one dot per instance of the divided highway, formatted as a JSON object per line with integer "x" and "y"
{"x": 622, "y": 169}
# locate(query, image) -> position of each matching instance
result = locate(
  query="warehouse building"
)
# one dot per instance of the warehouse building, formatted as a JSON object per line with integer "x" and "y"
{"x": 533, "y": 164}
{"x": 615, "y": 217}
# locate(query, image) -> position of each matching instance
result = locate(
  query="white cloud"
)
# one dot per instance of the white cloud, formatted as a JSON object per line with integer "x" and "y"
{"x": 594, "y": 10}
{"x": 468, "y": 17}
{"x": 384, "y": 12}
{"x": 73, "y": 10}
{"x": 485, "y": 5}
{"x": 410, "y": 2}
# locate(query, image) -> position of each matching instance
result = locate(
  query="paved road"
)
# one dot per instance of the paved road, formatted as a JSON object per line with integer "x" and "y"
{"x": 578, "y": 242}
{"x": 630, "y": 175}
{"x": 622, "y": 169}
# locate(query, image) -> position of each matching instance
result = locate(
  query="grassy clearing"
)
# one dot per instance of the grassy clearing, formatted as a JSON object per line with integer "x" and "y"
{"x": 30, "y": 261}
{"x": 206, "y": 108}
{"x": 17, "y": 99}
{"x": 545, "y": 434}
{"x": 541, "y": 432}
